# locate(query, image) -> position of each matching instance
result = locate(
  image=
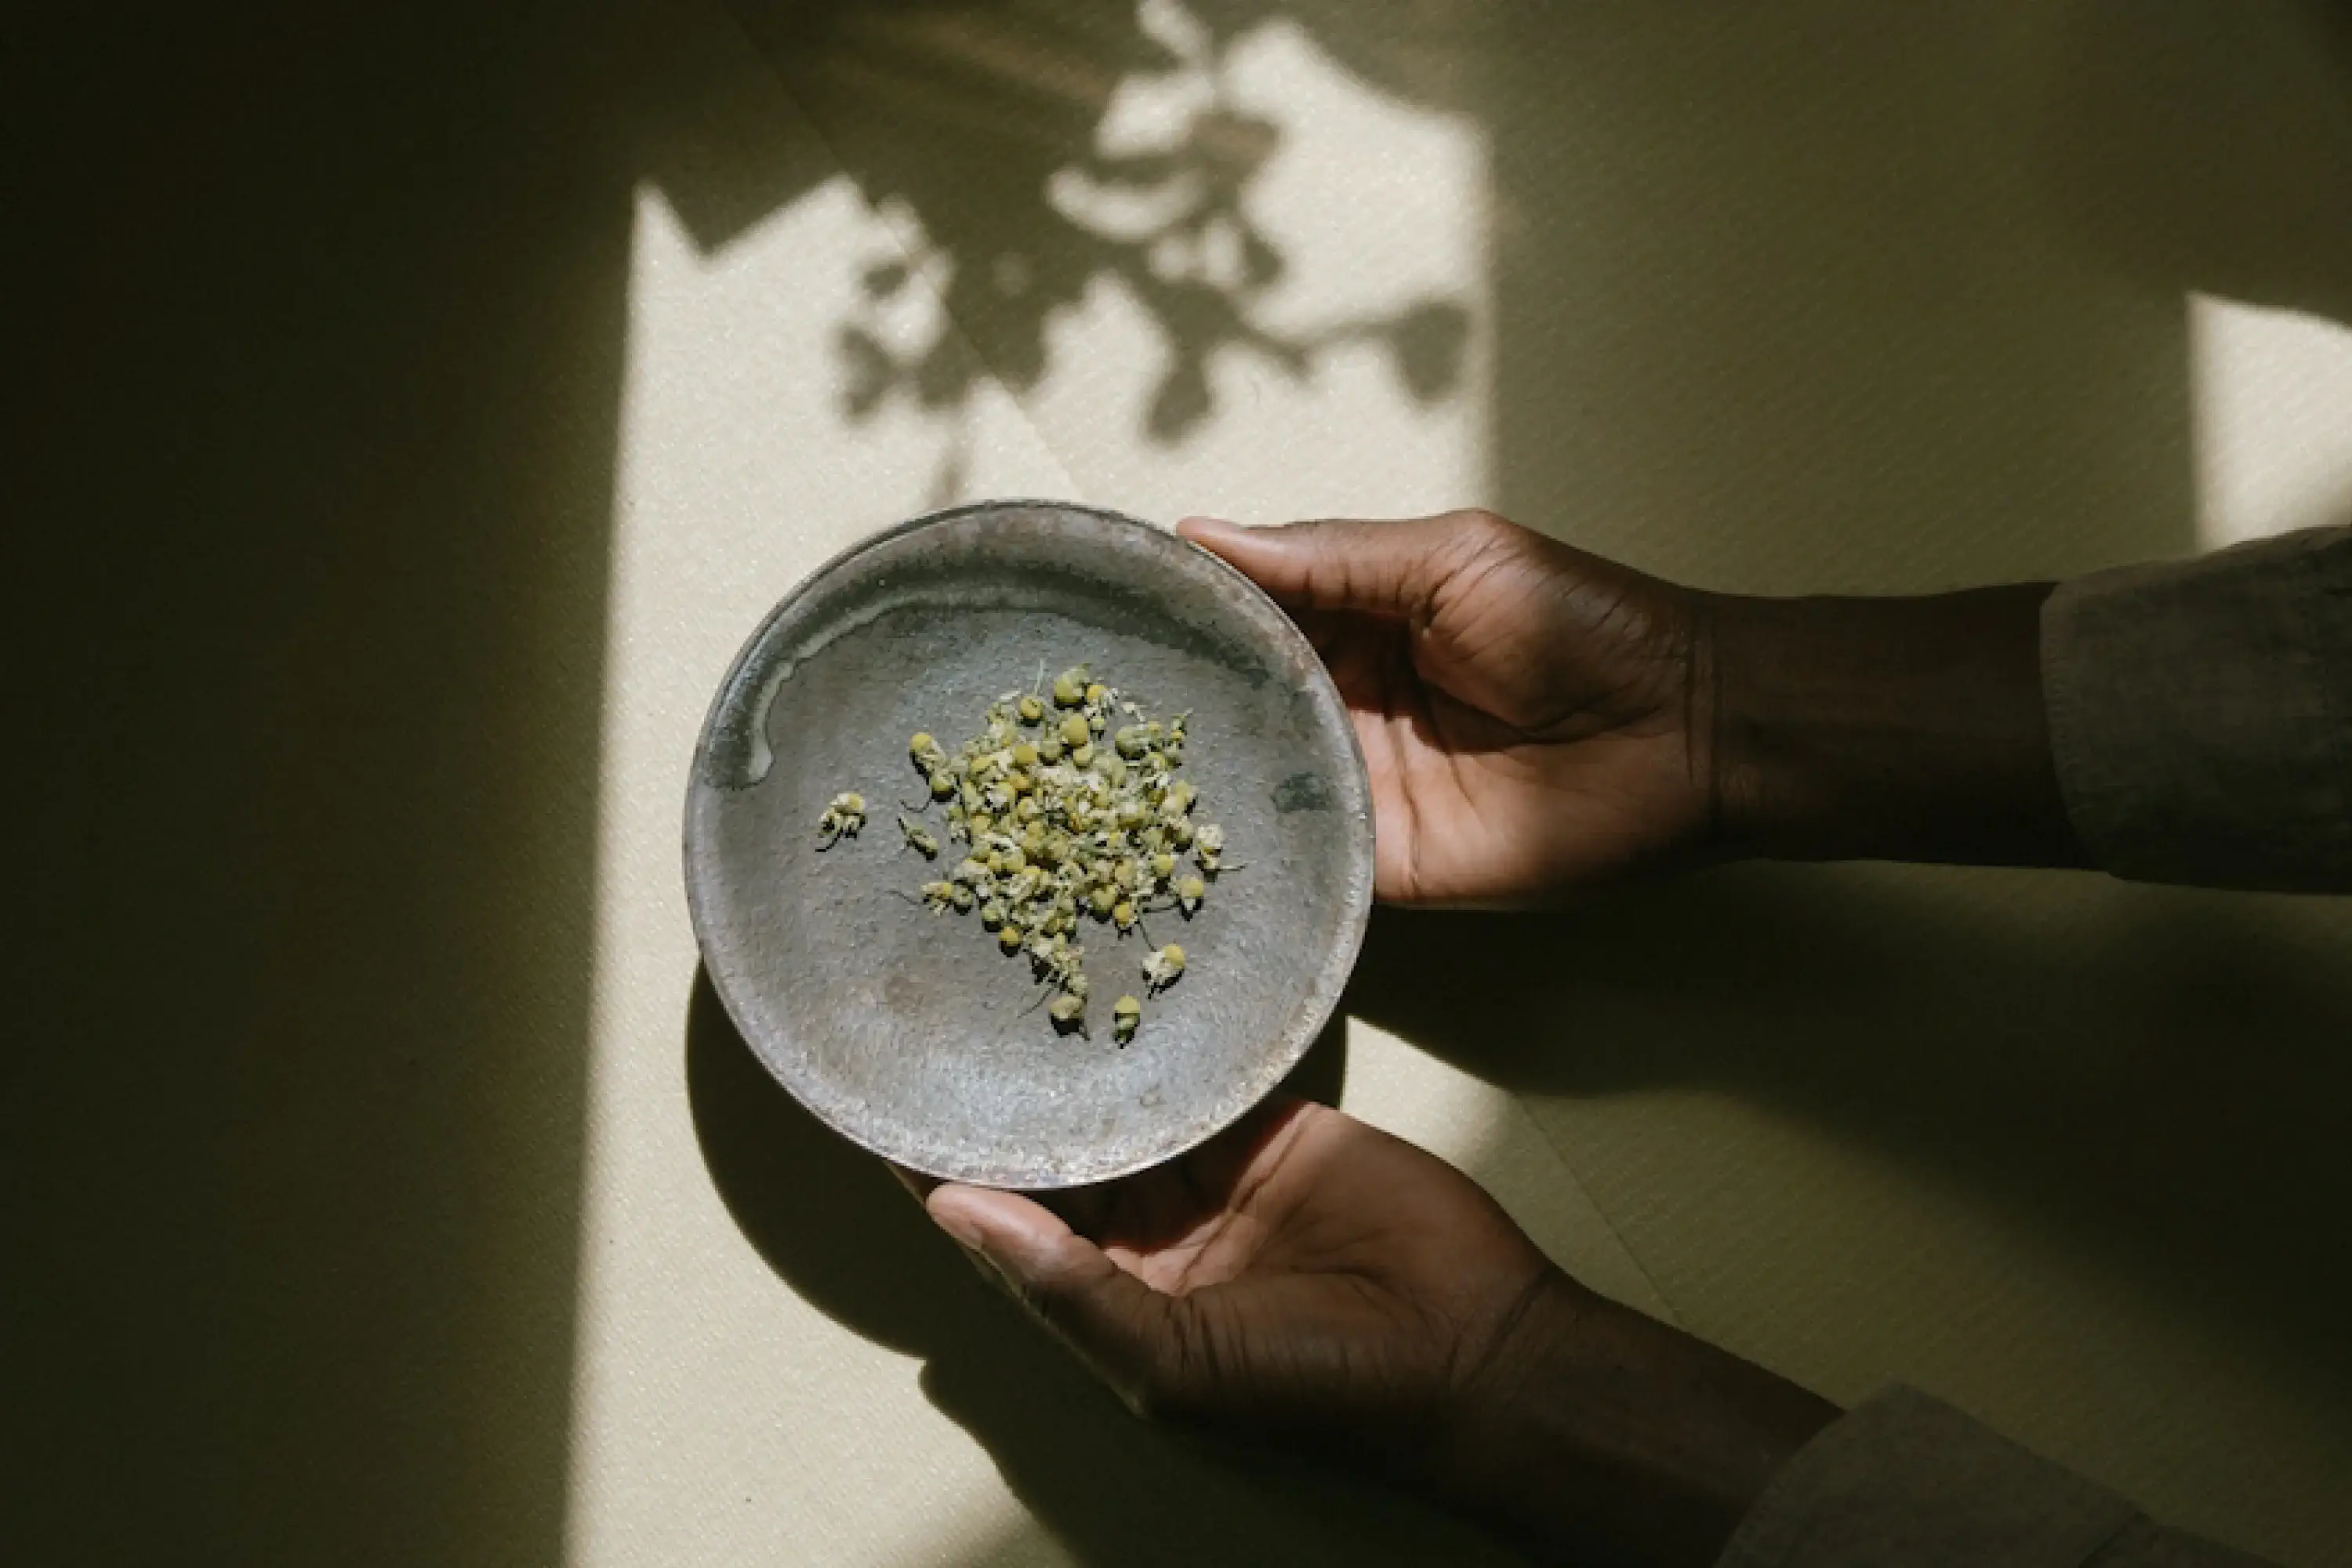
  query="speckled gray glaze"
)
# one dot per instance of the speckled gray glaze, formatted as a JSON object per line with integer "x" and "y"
{"x": 905, "y": 1031}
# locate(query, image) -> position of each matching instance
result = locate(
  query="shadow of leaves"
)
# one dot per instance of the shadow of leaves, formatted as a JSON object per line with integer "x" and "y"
{"x": 980, "y": 129}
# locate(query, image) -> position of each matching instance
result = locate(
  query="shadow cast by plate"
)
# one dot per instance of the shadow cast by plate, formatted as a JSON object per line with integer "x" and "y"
{"x": 834, "y": 1224}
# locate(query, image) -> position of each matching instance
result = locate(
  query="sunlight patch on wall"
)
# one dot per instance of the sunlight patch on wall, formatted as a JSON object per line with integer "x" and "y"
{"x": 716, "y": 1413}
{"x": 726, "y": 1408}
{"x": 2273, "y": 453}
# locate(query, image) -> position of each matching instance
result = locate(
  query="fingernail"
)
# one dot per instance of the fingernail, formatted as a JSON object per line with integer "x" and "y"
{"x": 1212, "y": 524}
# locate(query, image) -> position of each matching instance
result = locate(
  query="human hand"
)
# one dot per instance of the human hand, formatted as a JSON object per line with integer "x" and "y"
{"x": 1532, "y": 717}
{"x": 1302, "y": 1277}
{"x": 1307, "y": 1281}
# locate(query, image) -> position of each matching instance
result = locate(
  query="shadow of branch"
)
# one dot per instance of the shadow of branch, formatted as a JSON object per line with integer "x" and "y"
{"x": 981, "y": 125}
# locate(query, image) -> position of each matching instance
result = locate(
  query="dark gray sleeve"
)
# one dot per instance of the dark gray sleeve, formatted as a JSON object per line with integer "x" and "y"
{"x": 1904, "y": 1479}
{"x": 2200, "y": 712}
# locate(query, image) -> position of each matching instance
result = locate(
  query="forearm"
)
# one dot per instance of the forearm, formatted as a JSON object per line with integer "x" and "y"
{"x": 2201, "y": 713}
{"x": 1602, "y": 1436}
{"x": 1907, "y": 729}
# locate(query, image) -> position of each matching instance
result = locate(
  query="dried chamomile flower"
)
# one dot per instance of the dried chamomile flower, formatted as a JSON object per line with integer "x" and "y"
{"x": 842, "y": 819}
{"x": 1209, "y": 846}
{"x": 1162, "y": 966}
{"x": 1067, "y": 804}
{"x": 1189, "y": 890}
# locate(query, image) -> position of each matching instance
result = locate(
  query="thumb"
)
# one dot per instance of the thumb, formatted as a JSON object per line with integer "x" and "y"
{"x": 1115, "y": 1322}
{"x": 1391, "y": 569}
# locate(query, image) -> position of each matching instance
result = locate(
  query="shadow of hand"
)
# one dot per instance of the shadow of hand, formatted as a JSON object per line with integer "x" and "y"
{"x": 2159, "y": 1093}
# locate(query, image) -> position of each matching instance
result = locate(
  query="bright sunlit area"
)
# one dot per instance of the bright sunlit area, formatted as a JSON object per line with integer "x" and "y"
{"x": 1731, "y": 301}
{"x": 2273, "y": 449}
{"x": 1252, "y": 284}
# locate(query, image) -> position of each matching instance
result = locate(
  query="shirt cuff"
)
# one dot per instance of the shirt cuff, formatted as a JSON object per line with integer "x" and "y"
{"x": 2200, "y": 714}
{"x": 1904, "y": 1478}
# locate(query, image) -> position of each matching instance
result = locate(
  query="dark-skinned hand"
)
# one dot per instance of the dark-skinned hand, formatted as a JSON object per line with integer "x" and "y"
{"x": 1307, "y": 1280}
{"x": 1532, "y": 717}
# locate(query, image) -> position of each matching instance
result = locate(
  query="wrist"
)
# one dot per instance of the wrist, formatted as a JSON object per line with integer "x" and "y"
{"x": 1601, "y": 1434}
{"x": 1882, "y": 728}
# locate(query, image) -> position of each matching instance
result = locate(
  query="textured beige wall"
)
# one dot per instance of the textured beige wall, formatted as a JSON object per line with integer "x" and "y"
{"x": 424, "y": 407}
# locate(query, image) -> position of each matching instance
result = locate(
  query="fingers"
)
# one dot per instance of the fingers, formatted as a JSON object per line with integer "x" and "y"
{"x": 1390, "y": 569}
{"x": 1117, "y": 1325}
{"x": 1222, "y": 1172}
